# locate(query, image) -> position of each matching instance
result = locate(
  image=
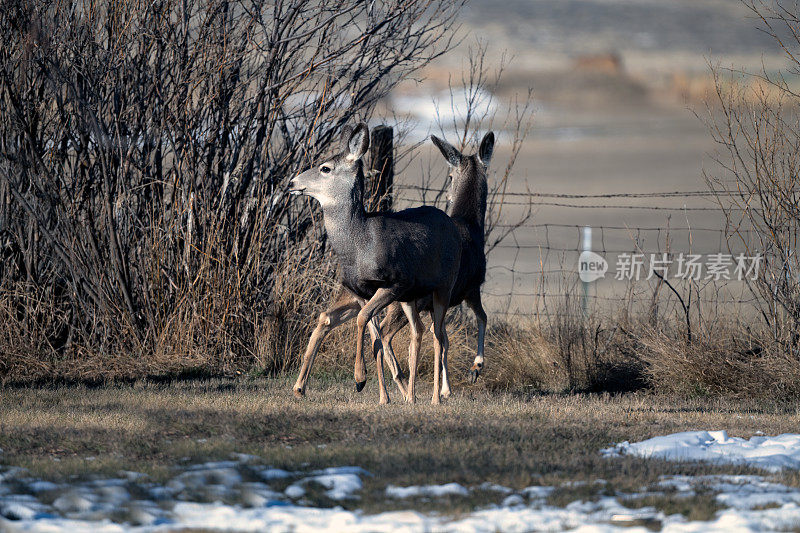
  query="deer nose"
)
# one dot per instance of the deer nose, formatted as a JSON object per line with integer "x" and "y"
{"x": 294, "y": 188}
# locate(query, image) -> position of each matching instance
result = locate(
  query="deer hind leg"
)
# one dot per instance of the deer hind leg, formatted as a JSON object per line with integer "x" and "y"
{"x": 381, "y": 299}
{"x": 392, "y": 323}
{"x": 377, "y": 346}
{"x": 440, "y": 343}
{"x": 445, "y": 379}
{"x": 415, "y": 323}
{"x": 445, "y": 351}
{"x": 377, "y": 351}
{"x": 346, "y": 308}
{"x": 474, "y": 303}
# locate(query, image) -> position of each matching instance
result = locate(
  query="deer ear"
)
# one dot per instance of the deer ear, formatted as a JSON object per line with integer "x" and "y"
{"x": 452, "y": 155}
{"x": 486, "y": 149}
{"x": 347, "y": 132}
{"x": 358, "y": 142}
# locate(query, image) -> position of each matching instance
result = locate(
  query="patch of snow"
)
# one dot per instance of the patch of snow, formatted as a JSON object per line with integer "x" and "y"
{"x": 21, "y": 507}
{"x": 784, "y": 518}
{"x": 72, "y": 502}
{"x": 444, "y": 106}
{"x": 537, "y": 492}
{"x": 133, "y": 476}
{"x": 41, "y": 486}
{"x": 340, "y": 486}
{"x": 354, "y": 470}
{"x": 50, "y": 524}
{"x": 257, "y": 495}
{"x": 293, "y": 518}
{"x": 430, "y": 491}
{"x": 513, "y": 501}
{"x": 245, "y": 458}
{"x": 268, "y": 474}
{"x": 9, "y": 473}
{"x": 17, "y": 511}
{"x": 214, "y": 481}
{"x": 750, "y": 503}
{"x": 495, "y": 488}
{"x": 677, "y": 483}
{"x": 213, "y": 465}
{"x": 740, "y": 492}
{"x": 294, "y": 491}
{"x": 770, "y": 453}
{"x": 341, "y": 482}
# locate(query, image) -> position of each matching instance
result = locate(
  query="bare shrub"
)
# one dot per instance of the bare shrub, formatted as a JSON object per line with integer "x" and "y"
{"x": 755, "y": 122}
{"x": 144, "y": 152}
{"x": 473, "y": 109}
{"x": 524, "y": 357}
{"x": 727, "y": 366}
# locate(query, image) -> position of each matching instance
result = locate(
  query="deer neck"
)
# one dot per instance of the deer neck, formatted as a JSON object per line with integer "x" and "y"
{"x": 469, "y": 199}
{"x": 345, "y": 223}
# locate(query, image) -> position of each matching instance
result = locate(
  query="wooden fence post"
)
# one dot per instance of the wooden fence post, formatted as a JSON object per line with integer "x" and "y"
{"x": 381, "y": 168}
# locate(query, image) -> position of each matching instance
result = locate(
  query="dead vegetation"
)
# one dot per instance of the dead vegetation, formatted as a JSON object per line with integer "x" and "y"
{"x": 144, "y": 153}
{"x": 130, "y": 252}
{"x": 476, "y": 436}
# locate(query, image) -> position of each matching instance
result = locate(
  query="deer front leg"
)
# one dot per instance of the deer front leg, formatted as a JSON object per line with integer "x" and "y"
{"x": 346, "y": 308}
{"x": 360, "y": 369}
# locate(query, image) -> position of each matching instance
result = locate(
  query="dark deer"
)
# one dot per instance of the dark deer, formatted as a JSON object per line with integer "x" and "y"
{"x": 467, "y": 207}
{"x": 383, "y": 257}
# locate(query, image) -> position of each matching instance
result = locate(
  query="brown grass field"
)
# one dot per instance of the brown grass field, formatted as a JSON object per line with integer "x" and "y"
{"x": 476, "y": 436}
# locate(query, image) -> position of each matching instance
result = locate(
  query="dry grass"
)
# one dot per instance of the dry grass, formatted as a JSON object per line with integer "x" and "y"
{"x": 476, "y": 436}
{"x": 721, "y": 366}
{"x": 600, "y": 353}
{"x": 224, "y": 337}
{"x": 607, "y": 354}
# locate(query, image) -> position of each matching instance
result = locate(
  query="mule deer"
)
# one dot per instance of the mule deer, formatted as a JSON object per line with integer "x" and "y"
{"x": 384, "y": 257}
{"x": 467, "y": 198}
{"x": 467, "y": 207}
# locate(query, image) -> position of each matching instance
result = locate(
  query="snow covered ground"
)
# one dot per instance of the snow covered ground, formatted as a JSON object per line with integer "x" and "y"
{"x": 770, "y": 453}
{"x": 243, "y": 495}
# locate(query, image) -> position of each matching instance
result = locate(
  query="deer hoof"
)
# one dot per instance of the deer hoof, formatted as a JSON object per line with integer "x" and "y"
{"x": 474, "y": 372}
{"x": 360, "y": 385}
{"x": 473, "y": 375}
{"x": 299, "y": 393}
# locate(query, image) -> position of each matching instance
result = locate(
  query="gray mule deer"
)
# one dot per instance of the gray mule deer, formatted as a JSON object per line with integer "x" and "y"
{"x": 384, "y": 257}
{"x": 467, "y": 206}
{"x": 467, "y": 198}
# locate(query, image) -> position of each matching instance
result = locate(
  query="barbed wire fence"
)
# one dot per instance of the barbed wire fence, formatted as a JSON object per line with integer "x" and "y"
{"x": 534, "y": 271}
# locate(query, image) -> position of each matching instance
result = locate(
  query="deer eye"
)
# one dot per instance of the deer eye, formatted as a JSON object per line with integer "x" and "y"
{"x": 325, "y": 169}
